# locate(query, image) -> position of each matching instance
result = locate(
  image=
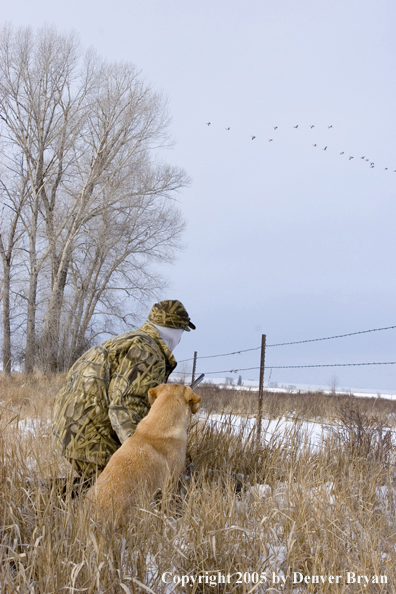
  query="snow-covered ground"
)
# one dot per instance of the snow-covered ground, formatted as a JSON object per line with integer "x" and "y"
{"x": 229, "y": 382}
{"x": 312, "y": 433}
{"x": 273, "y": 561}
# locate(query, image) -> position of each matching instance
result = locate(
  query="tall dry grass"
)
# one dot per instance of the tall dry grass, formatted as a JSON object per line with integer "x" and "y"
{"x": 321, "y": 511}
{"x": 315, "y": 406}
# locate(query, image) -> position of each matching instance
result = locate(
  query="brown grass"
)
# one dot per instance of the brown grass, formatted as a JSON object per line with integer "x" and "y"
{"x": 315, "y": 406}
{"x": 320, "y": 512}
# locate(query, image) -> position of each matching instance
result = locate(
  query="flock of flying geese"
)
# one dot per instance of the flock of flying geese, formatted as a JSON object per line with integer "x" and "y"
{"x": 371, "y": 163}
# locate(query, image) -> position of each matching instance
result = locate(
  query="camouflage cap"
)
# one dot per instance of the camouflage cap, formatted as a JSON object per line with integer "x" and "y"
{"x": 172, "y": 314}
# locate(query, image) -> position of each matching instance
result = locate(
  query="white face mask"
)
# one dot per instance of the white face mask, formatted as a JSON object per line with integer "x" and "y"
{"x": 171, "y": 336}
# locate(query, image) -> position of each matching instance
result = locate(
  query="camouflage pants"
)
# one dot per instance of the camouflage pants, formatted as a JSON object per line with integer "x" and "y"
{"x": 87, "y": 471}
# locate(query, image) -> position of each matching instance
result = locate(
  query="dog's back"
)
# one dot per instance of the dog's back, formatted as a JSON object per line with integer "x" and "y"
{"x": 153, "y": 455}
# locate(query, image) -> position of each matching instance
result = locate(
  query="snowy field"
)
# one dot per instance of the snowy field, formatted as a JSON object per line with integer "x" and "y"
{"x": 311, "y": 433}
{"x": 283, "y": 388}
{"x": 302, "y": 522}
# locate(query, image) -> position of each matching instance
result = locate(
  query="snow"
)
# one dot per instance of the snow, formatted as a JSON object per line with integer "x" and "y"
{"x": 282, "y": 388}
{"x": 311, "y": 432}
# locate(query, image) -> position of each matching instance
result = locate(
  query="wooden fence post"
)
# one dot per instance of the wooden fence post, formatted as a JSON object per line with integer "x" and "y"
{"x": 194, "y": 367}
{"x": 261, "y": 387}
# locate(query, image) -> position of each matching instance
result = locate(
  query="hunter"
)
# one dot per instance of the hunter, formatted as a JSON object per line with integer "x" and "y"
{"x": 105, "y": 393}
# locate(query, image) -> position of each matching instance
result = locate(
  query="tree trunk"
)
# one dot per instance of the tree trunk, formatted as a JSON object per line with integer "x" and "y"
{"x": 31, "y": 346}
{"x": 6, "y": 319}
{"x": 50, "y": 339}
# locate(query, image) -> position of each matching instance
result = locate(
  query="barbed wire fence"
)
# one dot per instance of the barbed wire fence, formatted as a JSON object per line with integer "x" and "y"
{"x": 261, "y": 367}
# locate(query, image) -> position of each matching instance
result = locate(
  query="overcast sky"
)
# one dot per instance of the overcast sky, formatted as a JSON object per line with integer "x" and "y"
{"x": 284, "y": 238}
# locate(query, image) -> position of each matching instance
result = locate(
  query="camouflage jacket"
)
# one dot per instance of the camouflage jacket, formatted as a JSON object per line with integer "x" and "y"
{"x": 105, "y": 394}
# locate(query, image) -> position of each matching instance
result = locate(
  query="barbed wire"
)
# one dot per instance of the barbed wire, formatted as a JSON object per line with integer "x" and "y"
{"x": 301, "y": 366}
{"x": 293, "y": 367}
{"x": 331, "y": 337}
{"x": 289, "y": 343}
{"x": 223, "y": 355}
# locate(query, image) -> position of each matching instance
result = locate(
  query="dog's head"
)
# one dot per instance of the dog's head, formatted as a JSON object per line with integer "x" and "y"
{"x": 193, "y": 399}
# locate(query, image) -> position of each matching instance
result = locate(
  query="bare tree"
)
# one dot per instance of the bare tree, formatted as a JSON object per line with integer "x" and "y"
{"x": 13, "y": 200}
{"x": 34, "y": 71}
{"x": 98, "y": 206}
{"x": 8, "y": 243}
{"x": 123, "y": 241}
{"x": 334, "y": 383}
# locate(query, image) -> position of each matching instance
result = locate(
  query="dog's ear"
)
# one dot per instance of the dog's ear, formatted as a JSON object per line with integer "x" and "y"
{"x": 153, "y": 393}
{"x": 193, "y": 399}
{"x": 195, "y": 403}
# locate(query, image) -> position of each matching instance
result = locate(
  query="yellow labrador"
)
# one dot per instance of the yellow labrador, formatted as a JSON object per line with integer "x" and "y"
{"x": 150, "y": 457}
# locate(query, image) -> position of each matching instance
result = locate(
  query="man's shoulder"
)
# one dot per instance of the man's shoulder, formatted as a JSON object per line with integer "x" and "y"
{"x": 145, "y": 337}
